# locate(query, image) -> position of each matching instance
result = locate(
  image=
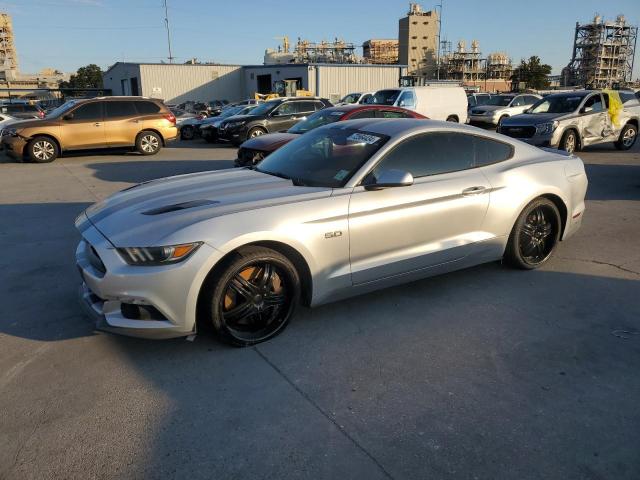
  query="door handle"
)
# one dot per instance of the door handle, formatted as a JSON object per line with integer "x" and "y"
{"x": 97, "y": 124}
{"x": 473, "y": 191}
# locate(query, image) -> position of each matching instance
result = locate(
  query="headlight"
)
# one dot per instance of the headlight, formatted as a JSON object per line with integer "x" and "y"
{"x": 546, "y": 128}
{"x": 236, "y": 124}
{"x": 152, "y": 256}
{"x": 10, "y": 132}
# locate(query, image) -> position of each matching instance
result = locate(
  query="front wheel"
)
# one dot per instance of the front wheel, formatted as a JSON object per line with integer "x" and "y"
{"x": 187, "y": 132}
{"x": 42, "y": 150}
{"x": 627, "y": 137}
{"x": 255, "y": 132}
{"x": 569, "y": 142}
{"x": 534, "y": 236}
{"x": 148, "y": 143}
{"x": 253, "y": 298}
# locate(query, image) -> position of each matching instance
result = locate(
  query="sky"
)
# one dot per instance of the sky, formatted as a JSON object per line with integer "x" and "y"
{"x": 67, "y": 34}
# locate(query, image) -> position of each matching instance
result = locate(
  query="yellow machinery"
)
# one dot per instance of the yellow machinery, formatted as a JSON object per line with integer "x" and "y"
{"x": 284, "y": 88}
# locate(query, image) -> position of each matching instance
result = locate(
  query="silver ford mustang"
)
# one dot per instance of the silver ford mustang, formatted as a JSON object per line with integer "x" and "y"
{"x": 344, "y": 209}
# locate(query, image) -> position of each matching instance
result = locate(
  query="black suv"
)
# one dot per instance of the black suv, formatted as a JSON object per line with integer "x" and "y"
{"x": 272, "y": 116}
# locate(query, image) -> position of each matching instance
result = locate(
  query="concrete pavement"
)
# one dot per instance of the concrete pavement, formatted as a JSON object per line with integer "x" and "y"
{"x": 486, "y": 373}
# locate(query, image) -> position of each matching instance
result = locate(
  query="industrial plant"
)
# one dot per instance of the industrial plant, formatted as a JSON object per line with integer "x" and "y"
{"x": 603, "y": 53}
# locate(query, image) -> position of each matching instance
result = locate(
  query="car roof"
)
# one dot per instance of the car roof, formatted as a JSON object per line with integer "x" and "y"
{"x": 355, "y": 107}
{"x": 577, "y": 93}
{"x": 394, "y": 127}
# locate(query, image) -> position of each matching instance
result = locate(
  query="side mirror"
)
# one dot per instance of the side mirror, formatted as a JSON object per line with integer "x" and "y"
{"x": 68, "y": 116}
{"x": 391, "y": 178}
{"x": 587, "y": 109}
{"x": 527, "y": 110}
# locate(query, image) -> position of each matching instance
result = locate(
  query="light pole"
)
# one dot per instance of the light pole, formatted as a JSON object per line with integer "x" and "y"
{"x": 166, "y": 23}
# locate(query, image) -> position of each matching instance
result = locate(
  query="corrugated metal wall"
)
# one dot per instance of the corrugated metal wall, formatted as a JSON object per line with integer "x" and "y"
{"x": 179, "y": 83}
{"x": 337, "y": 81}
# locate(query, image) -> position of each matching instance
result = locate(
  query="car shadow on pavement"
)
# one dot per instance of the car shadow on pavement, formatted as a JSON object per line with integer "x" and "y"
{"x": 613, "y": 182}
{"x": 141, "y": 171}
{"x": 453, "y": 376}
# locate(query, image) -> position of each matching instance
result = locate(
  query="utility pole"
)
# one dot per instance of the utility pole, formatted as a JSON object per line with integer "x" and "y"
{"x": 166, "y": 24}
{"x": 439, "y": 39}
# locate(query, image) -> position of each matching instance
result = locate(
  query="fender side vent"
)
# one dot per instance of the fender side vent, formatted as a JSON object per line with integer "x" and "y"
{"x": 179, "y": 206}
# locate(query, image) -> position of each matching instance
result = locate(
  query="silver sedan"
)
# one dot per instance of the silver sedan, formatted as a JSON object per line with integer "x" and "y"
{"x": 348, "y": 208}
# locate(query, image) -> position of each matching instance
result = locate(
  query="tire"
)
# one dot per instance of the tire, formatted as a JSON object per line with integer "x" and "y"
{"x": 569, "y": 141}
{"x": 148, "y": 143}
{"x": 42, "y": 149}
{"x": 244, "y": 308}
{"x": 187, "y": 132}
{"x": 627, "y": 137}
{"x": 256, "y": 132}
{"x": 500, "y": 121}
{"x": 534, "y": 236}
{"x": 452, "y": 118}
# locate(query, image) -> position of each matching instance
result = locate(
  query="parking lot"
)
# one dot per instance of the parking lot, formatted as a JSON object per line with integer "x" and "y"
{"x": 485, "y": 373}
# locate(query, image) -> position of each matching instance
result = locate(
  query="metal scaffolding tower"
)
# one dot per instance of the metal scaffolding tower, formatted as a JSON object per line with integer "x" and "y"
{"x": 8, "y": 56}
{"x": 603, "y": 53}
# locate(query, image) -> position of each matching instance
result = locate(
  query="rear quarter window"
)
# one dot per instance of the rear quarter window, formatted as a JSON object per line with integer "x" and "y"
{"x": 147, "y": 108}
{"x": 488, "y": 151}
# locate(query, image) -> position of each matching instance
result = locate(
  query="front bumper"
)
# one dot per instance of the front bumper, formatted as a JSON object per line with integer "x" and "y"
{"x": 113, "y": 291}
{"x": 551, "y": 140}
{"x": 483, "y": 119}
{"x": 14, "y": 146}
{"x": 233, "y": 135}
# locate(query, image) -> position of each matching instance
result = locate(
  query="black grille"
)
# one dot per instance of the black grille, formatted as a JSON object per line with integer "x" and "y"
{"x": 518, "y": 132}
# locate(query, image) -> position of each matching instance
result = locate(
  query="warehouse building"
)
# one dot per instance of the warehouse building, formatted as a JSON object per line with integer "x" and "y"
{"x": 176, "y": 83}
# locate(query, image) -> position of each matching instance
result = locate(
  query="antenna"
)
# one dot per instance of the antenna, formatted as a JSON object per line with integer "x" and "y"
{"x": 166, "y": 24}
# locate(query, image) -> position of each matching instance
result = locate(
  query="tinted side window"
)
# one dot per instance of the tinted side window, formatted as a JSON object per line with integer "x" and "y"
{"x": 594, "y": 102}
{"x": 88, "y": 111}
{"x": 363, "y": 114}
{"x": 119, "y": 109}
{"x": 15, "y": 108}
{"x": 287, "y": 108}
{"x": 518, "y": 102}
{"x": 489, "y": 151}
{"x": 432, "y": 154}
{"x": 305, "y": 107}
{"x": 147, "y": 108}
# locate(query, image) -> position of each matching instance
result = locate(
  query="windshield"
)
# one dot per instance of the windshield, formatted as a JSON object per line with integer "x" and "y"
{"x": 325, "y": 157}
{"x": 61, "y": 109}
{"x": 351, "y": 98}
{"x": 385, "y": 97}
{"x": 247, "y": 110}
{"x": 323, "y": 117}
{"x": 229, "y": 112}
{"x": 501, "y": 100}
{"x": 557, "y": 104}
{"x": 264, "y": 108}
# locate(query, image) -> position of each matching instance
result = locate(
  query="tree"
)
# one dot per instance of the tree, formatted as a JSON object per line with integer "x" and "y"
{"x": 86, "y": 77}
{"x": 533, "y": 73}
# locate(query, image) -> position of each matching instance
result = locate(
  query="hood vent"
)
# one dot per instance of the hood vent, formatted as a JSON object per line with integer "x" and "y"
{"x": 179, "y": 206}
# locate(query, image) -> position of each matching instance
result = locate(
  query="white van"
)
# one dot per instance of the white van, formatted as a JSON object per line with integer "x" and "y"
{"x": 436, "y": 101}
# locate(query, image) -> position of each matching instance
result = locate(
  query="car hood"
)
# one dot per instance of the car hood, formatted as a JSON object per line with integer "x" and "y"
{"x": 150, "y": 213}
{"x": 533, "y": 118}
{"x": 36, "y": 122}
{"x": 240, "y": 118}
{"x": 488, "y": 108}
{"x": 269, "y": 142}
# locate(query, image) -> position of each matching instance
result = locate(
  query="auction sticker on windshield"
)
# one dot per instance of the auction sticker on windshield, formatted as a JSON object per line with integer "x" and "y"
{"x": 363, "y": 138}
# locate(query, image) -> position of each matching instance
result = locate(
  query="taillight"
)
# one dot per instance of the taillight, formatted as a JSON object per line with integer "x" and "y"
{"x": 40, "y": 114}
{"x": 171, "y": 117}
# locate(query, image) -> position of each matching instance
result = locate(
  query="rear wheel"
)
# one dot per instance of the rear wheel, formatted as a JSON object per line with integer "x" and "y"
{"x": 253, "y": 298}
{"x": 148, "y": 143}
{"x": 452, "y": 118}
{"x": 627, "y": 137}
{"x": 534, "y": 236}
{"x": 42, "y": 150}
{"x": 569, "y": 141}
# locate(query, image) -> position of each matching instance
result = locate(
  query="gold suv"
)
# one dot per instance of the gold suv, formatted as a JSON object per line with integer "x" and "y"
{"x": 142, "y": 123}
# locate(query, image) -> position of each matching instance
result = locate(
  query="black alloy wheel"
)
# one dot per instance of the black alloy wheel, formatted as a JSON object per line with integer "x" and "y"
{"x": 535, "y": 235}
{"x": 255, "y": 297}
